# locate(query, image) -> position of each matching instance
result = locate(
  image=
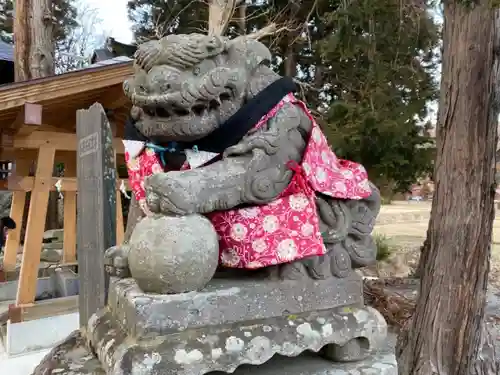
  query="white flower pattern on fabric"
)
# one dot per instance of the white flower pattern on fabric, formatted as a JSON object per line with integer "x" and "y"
{"x": 316, "y": 135}
{"x": 347, "y": 174}
{"x": 340, "y": 186}
{"x": 238, "y": 232}
{"x": 133, "y": 164}
{"x": 307, "y": 168}
{"x": 298, "y": 202}
{"x": 307, "y": 229}
{"x": 325, "y": 158}
{"x": 259, "y": 245}
{"x": 365, "y": 185}
{"x": 320, "y": 175}
{"x": 270, "y": 224}
{"x": 230, "y": 258}
{"x": 254, "y": 265}
{"x": 250, "y": 212}
{"x": 287, "y": 250}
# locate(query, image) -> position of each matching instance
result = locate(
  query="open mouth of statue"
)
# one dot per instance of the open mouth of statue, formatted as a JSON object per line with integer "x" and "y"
{"x": 199, "y": 108}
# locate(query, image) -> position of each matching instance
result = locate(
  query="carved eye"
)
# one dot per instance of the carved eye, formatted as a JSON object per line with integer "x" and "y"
{"x": 196, "y": 70}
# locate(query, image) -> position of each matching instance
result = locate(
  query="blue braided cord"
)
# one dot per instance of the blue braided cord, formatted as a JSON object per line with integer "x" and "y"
{"x": 171, "y": 147}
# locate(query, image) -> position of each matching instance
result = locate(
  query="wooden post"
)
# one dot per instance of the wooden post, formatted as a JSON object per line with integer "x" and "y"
{"x": 96, "y": 219}
{"x": 120, "y": 229}
{"x": 21, "y": 168}
{"x": 35, "y": 226}
{"x": 69, "y": 226}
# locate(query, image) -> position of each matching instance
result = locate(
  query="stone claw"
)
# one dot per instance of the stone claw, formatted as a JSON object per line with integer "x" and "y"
{"x": 166, "y": 195}
{"x": 116, "y": 261}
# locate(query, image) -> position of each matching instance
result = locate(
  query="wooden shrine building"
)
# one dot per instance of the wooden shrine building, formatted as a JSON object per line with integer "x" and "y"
{"x": 38, "y": 130}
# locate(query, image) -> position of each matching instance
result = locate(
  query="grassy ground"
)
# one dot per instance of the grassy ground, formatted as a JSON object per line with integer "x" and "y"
{"x": 407, "y": 237}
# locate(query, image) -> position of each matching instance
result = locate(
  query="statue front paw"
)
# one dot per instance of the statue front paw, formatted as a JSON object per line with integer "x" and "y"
{"x": 116, "y": 261}
{"x": 165, "y": 194}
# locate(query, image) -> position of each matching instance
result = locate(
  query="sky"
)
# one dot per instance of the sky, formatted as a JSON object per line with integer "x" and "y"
{"x": 113, "y": 14}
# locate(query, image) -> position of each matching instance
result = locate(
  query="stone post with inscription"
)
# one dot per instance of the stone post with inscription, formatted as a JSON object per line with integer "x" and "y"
{"x": 96, "y": 206}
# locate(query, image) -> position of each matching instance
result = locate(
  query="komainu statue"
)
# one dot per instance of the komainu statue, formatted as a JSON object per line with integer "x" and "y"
{"x": 252, "y": 226}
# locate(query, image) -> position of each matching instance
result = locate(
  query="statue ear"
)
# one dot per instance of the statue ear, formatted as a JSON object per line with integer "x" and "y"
{"x": 215, "y": 45}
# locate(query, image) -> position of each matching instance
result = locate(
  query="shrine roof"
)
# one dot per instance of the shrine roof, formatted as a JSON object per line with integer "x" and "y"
{"x": 6, "y": 51}
{"x": 62, "y": 95}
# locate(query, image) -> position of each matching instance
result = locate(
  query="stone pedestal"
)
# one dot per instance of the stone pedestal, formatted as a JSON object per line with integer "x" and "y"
{"x": 232, "y": 323}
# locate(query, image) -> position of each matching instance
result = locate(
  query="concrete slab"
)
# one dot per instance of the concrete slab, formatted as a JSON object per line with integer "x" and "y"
{"x": 62, "y": 283}
{"x": 8, "y": 289}
{"x": 36, "y": 335}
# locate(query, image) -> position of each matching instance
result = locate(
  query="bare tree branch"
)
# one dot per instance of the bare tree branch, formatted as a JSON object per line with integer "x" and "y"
{"x": 74, "y": 52}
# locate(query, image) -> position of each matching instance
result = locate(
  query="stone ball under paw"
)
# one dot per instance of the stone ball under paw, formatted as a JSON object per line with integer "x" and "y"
{"x": 170, "y": 254}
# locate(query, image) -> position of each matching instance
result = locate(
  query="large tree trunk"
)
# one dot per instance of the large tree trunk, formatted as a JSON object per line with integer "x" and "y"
{"x": 444, "y": 335}
{"x": 34, "y": 45}
{"x": 41, "y": 39}
{"x": 21, "y": 41}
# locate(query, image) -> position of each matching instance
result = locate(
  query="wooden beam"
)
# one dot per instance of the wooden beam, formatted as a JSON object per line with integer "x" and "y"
{"x": 35, "y": 226}
{"x": 15, "y": 313}
{"x": 29, "y": 115}
{"x": 26, "y": 129}
{"x": 115, "y": 98}
{"x": 66, "y": 184}
{"x": 31, "y": 155}
{"x": 64, "y": 85}
{"x": 53, "y": 307}
{"x": 21, "y": 167}
{"x": 41, "y": 309}
{"x": 6, "y": 140}
{"x": 59, "y": 141}
{"x": 69, "y": 226}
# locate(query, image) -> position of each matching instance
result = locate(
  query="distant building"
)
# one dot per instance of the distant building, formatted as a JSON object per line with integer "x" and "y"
{"x": 112, "y": 49}
{"x": 6, "y": 63}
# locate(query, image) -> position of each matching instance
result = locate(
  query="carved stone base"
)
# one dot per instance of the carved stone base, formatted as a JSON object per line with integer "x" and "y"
{"x": 231, "y": 323}
{"x": 72, "y": 357}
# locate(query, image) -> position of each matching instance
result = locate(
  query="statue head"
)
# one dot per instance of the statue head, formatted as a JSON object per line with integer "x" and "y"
{"x": 185, "y": 86}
